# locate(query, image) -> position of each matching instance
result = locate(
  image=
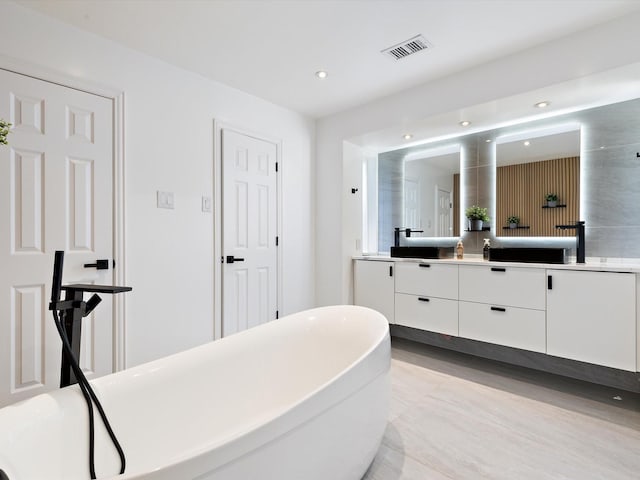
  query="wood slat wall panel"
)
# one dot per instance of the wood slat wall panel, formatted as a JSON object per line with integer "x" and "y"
{"x": 521, "y": 190}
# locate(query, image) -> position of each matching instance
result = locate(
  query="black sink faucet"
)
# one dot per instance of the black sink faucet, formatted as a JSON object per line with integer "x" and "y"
{"x": 407, "y": 233}
{"x": 579, "y": 226}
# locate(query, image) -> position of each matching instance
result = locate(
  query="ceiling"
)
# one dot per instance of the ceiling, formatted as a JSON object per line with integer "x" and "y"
{"x": 539, "y": 148}
{"x": 272, "y": 48}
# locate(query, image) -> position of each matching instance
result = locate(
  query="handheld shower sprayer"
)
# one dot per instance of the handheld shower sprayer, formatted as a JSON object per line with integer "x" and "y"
{"x": 56, "y": 285}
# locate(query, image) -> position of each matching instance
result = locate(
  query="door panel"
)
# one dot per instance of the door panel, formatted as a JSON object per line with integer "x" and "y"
{"x": 412, "y": 204}
{"x": 55, "y": 194}
{"x": 249, "y": 189}
{"x": 444, "y": 213}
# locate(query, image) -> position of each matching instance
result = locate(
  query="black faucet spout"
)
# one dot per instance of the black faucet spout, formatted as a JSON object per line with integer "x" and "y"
{"x": 407, "y": 233}
{"x": 580, "y": 239}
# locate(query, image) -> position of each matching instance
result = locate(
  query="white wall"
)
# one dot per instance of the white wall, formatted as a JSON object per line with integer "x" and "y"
{"x": 169, "y": 116}
{"x": 604, "y": 47}
{"x": 351, "y": 212}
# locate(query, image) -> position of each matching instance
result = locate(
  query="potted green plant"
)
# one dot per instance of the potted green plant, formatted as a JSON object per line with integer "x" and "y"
{"x": 513, "y": 221}
{"x": 477, "y": 217}
{"x": 4, "y": 131}
{"x": 552, "y": 199}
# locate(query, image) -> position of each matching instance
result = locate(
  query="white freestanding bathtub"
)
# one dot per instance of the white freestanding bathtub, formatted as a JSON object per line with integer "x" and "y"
{"x": 300, "y": 398}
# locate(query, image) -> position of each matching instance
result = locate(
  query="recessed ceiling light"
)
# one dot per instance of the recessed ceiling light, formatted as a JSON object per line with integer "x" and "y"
{"x": 488, "y": 140}
{"x": 321, "y": 74}
{"x": 527, "y": 143}
{"x": 407, "y": 136}
{"x": 542, "y": 104}
{"x": 465, "y": 123}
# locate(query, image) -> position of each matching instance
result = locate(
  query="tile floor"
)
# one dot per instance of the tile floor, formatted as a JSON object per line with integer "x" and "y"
{"x": 455, "y": 416}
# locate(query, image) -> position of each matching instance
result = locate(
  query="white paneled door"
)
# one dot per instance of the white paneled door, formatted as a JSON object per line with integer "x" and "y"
{"x": 412, "y": 204}
{"x": 443, "y": 213}
{"x": 55, "y": 194}
{"x": 249, "y": 237}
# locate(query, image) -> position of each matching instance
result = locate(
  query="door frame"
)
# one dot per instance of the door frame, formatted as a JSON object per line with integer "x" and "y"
{"x": 218, "y": 126}
{"x": 116, "y": 95}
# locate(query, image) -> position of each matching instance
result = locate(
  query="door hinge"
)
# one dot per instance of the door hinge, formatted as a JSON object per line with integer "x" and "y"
{"x": 276, "y": 166}
{"x": 277, "y": 314}
{"x": 277, "y": 240}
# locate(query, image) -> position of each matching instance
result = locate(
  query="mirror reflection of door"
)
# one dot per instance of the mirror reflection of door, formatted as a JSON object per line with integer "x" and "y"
{"x": 411, "y": 204}
{"x": 444, "y": 206}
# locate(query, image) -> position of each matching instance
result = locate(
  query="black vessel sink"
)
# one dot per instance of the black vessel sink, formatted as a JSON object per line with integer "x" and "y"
{"x": 422, "y": 252}
{"x": 529, "y": 255}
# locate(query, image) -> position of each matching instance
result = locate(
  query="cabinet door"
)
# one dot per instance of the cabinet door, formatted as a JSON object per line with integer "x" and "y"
{"x": 591, "y": 317}
{"x": 427, "y": 313}
{"x": 374, "y": 286}
{"x": 426, "y": 278}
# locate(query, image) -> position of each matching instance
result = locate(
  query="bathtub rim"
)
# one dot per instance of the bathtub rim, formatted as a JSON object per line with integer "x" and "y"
{"x": 259, "y": 428}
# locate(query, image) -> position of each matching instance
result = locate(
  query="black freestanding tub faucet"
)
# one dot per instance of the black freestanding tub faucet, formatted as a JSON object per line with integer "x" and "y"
{"x": 579, "y": 227}
{"x": 67, "y": 316}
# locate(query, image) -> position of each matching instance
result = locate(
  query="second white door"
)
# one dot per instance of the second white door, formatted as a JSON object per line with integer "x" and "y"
{"x": 249, "y": 237}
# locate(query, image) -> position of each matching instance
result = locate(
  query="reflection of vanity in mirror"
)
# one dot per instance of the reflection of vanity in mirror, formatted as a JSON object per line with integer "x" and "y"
{"x": 532, "y": 169}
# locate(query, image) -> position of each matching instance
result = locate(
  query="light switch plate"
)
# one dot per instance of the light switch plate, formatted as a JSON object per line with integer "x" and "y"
{"x": 206, "y": 204}
{"x": 165, "y": 200}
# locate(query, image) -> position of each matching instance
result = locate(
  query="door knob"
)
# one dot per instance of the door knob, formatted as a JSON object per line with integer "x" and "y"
{"x": 232, "y": 259}
{"x": 99, "y": 265}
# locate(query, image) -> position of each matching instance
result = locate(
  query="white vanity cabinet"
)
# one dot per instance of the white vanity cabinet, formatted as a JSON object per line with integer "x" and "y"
{"x": 374, "y": 286}
{"x": 427, "y": 296}
{"x": 591, "y": 317}
{"x": 566, "y": 312}
{"x": 503, "y": 305}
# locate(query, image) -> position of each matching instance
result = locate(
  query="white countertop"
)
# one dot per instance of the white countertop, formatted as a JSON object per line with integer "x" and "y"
{"x": 592, "y": 264}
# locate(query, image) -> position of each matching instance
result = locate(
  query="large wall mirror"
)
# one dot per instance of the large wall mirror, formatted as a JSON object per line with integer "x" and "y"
{"x": 586, "y": 159}
{"x": 538, "y": 181}
{"x": 432, "y": 192}
{"x": 419, "y": 189}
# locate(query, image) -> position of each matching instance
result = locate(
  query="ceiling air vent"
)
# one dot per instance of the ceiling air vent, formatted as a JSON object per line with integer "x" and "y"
{"x": 408, "y": 47}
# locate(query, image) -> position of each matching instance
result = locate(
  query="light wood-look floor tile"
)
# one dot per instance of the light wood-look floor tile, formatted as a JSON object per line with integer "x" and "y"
{"x": 455, "y": 416}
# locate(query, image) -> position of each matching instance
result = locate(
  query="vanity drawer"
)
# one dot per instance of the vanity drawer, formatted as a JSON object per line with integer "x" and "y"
{"x": 425, "y": 278}
{"x": 427, "y": 313}
{"x": 503, "y": 325}
{"x": 513, "y": 286}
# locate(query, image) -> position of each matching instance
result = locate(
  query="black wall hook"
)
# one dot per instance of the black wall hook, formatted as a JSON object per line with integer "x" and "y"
{"x": 354, "y": 190}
